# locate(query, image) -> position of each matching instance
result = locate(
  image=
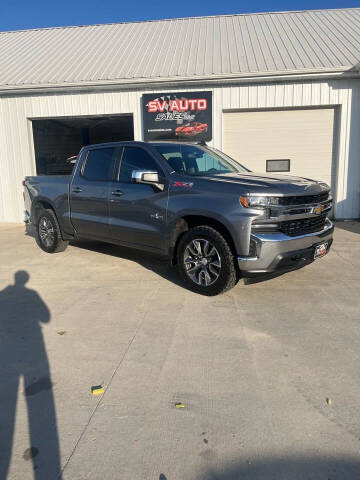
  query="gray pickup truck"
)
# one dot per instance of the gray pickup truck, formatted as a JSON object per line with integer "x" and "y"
{"x": 211, "y": 216}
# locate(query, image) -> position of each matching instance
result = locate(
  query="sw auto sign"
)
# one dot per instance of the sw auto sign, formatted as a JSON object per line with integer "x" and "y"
{"x": 177, "y": 116}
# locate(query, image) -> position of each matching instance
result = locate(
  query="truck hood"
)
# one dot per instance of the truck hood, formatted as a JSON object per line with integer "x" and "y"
{"x": 272, "y": 184}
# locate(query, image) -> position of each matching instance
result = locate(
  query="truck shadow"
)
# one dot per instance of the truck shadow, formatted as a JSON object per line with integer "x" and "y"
{"x": 259, "y": 278}
{"x": 352, "y": 226}
{"x": 151, "y": 261}
{"x": 155, "y": 263}
{"x": 289, "y": 468}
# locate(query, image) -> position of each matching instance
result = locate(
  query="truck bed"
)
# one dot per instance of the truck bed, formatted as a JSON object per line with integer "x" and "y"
{"x": 53, "y": 189}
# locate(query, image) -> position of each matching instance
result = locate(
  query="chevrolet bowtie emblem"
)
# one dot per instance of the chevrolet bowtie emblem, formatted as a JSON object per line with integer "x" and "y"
{"x": 156, "y": 216}
{"x": 319, "y": 209}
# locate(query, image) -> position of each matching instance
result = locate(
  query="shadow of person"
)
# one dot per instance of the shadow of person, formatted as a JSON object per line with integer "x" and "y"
{"x": 23, "y": 354}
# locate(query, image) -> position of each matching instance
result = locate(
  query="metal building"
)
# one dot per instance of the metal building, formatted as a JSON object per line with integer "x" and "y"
{"x": 285, "y": 93}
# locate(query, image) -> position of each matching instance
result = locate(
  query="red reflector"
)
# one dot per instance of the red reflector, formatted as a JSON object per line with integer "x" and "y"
{"x": 23, "y": 183}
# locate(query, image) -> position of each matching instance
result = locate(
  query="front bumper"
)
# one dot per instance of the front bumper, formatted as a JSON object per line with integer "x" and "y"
{"x": 278, "y": 252}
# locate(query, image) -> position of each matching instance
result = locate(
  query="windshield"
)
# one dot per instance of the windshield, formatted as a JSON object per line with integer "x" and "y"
{"x": 198, "y": 161}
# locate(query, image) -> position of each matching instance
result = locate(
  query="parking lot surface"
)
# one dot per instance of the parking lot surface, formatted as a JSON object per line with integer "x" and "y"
{"x": 259, "y": 383}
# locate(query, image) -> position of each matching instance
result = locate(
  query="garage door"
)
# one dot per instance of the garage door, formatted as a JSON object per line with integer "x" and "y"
{"x": 305, "y": 137}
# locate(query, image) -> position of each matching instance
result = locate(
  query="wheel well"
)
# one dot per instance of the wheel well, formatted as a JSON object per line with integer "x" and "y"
{"x": 47, "y": 206}
{"x": 191, "y": 221}
{"x": 38, "y": 206}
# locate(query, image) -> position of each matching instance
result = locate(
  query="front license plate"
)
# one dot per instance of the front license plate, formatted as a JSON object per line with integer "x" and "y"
{"x": 321, "y": 250}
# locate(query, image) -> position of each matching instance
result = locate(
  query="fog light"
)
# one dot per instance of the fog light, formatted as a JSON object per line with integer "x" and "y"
{"x": 253, "y": 248}
{"x": 265, "y": 227}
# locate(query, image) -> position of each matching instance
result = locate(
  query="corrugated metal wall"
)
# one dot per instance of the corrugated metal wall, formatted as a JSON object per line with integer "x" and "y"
{"x": 16, "y": 146}
{"x": 342, "y": 93}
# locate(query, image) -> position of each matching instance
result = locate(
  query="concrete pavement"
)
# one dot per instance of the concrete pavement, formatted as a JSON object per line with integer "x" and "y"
{"x": 267, "y": 373}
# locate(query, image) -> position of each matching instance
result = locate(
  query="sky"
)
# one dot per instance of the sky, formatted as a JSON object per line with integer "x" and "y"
{"x": 24, "y": 14}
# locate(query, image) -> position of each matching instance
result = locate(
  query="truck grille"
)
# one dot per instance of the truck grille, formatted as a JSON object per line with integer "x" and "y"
{"x": 303, "y": 200}
{"x": 293, "y": 228}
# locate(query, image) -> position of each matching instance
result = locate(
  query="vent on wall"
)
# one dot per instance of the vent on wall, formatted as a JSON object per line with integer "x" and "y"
{"x": 281, "y": 165}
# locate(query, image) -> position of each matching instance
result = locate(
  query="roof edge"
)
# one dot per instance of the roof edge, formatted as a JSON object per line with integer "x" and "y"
{"x": 146, "y": 83}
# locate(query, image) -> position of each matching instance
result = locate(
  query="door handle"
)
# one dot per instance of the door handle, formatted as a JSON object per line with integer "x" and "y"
{"x": 117, "y": 193}
{"x": 77, "y": 190}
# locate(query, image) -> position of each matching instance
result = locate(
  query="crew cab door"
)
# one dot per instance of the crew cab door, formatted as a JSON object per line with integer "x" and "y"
{"x": 137, "y": 211}
{"x": 89, "y": 193}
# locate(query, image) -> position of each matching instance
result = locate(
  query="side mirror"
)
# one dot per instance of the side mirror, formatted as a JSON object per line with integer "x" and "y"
{"x": 148, "y": 177}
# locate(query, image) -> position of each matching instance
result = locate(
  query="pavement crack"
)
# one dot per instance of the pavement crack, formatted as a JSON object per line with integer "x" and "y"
{"x": 343, "y": 258}
{"x": 116, "y": 369}
{"x": 256, "y": 371}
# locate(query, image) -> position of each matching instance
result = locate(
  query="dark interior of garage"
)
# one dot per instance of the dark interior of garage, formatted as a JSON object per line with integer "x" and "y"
{"x": 57, "y": 140}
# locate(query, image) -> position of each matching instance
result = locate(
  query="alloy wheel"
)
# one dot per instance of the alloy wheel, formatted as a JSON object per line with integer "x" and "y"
{"x": 46, "y": 232}
{"x": 202, "y": 262}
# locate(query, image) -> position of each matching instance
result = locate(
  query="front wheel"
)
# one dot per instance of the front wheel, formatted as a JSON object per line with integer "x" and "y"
{"x": 48, "y": 233}
{"x": 205, "y": 261}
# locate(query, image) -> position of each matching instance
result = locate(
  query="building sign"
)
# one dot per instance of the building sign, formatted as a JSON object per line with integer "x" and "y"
{"x": 177, "y": 116}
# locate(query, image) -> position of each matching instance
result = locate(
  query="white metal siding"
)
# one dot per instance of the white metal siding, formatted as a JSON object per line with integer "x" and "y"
{"x": 304, "y": 136}
{"x": 342, "y": 93}
{"x": 16, "y": 150}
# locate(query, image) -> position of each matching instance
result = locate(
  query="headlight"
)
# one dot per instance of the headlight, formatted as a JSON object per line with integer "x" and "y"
{"x": 258, "y": 201}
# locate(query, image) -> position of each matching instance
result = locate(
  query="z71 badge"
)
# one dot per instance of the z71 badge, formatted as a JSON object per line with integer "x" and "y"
{"x": 183, "y": 184}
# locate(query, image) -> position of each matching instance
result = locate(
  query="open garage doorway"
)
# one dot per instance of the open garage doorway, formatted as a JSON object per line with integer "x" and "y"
{"x": 57, "y": 140}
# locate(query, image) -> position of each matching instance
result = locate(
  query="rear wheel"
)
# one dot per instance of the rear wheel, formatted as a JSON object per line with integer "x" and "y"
{"x": 205, "y": 261}
{"x": 48, "y": 233}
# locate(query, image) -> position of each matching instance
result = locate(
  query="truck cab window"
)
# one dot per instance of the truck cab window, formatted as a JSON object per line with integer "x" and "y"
{"x": 197, "y": 161}
{"x": 135, "y": 159}
{"x": 99, "y": 164}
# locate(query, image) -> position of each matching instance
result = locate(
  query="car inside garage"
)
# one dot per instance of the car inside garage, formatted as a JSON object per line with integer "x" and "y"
{"x": 287, "y": 141}
{"x": 57, "y": 140}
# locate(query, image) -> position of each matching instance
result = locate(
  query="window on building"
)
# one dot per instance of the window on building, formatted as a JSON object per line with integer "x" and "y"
{"x": 282, "y": 165}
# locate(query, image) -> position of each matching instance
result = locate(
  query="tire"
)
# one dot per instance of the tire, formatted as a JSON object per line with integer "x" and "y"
{"x": 209, "y": 270}
{"x": 48, "y": 233}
